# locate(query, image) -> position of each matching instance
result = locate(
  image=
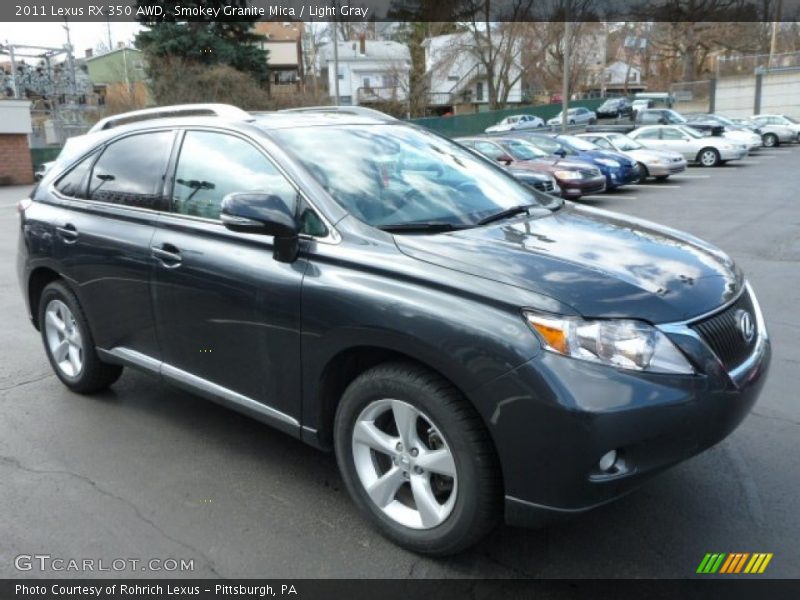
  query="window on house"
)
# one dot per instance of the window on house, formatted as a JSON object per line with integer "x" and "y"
{"x": 479, "y": 91}
{"x": 453, "y": 78}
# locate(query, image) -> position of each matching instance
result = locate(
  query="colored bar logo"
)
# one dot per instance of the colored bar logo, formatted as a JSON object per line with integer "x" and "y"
{"x": 735, "y": 562}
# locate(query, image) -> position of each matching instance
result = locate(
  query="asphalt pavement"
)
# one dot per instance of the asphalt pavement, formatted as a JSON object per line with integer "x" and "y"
{"x": 146, "y": 471}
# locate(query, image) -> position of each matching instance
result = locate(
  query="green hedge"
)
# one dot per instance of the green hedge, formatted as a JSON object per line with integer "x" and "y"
{"x": 476, "y": 123}
{"x": 43, "y": 155}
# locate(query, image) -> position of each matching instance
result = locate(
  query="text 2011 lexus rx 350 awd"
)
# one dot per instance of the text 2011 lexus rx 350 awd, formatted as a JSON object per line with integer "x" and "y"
{"x": 470, "y": 348}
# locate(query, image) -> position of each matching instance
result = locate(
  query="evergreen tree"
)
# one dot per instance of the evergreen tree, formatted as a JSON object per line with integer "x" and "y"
{"x": 203, "y": 41}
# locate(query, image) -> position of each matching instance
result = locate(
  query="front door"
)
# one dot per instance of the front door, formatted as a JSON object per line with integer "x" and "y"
{"x": 227, "y": 313}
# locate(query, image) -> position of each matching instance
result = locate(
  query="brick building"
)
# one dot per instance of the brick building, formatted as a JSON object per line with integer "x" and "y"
{"x": 15, "y": 153}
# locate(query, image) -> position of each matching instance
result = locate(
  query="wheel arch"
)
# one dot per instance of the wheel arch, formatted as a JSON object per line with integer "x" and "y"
{"x": 39, "y": 279}
{"x": 703, "y": 149}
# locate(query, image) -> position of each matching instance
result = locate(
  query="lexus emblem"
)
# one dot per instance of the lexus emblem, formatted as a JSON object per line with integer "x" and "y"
{"x": 746, "y": 326}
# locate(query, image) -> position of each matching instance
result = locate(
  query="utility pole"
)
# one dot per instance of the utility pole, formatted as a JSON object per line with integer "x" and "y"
{"x": 335, "y": 55}
{"x": 567, "y": 59}
{"x": 14, "y": 83}
{"x": 108, "y": 31}
{"x": 70, "y": 63}
{"x": 773, "y": 45}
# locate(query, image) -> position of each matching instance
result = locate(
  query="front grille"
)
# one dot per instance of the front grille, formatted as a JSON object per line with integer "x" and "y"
{"x": 723, "y": 334}
{"x": 544, "y": 186}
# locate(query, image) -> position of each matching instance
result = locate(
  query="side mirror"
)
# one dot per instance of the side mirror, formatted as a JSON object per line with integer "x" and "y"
{"x": 505, "y": 159}
{"x": 560, "y": 152}
{"x": 264, "y": 214}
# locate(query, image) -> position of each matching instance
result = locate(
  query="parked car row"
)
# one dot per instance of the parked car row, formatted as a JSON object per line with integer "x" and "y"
{"x": 659, "y": 143}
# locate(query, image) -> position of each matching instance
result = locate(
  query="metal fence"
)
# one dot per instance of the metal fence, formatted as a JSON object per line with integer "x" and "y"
{"x": 750, "y": 64}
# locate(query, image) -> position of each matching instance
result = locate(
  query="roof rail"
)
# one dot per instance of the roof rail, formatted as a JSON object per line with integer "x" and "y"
{"x": 167, "y": 112}
{"x": 362, "y": 111}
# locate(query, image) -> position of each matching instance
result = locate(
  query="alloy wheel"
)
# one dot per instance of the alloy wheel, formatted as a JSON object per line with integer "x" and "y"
{"x": 63, "y": 338}
{"x": 404, "y": 464}
{"x": 708, "y": 158}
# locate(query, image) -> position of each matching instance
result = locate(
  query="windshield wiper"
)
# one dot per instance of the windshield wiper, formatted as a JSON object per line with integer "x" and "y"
{"x": 420, "y": 227}
{"x": 507, "y": 213}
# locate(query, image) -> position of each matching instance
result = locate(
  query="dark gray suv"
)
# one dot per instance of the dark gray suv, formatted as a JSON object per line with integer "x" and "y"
{"x": 470, "y": 348}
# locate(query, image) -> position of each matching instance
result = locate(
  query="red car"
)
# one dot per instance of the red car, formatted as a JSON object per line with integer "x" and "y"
{"x": 576, "y": 178}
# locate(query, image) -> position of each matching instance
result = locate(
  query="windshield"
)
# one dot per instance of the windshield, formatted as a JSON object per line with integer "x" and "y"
{"x": 387, "y": 175}
{"x": 578, "y": 143}
{"x": 624, "y": 143}
{"x": 691, "y": 132}
{"x": 790, "y": 119}
{"x": 523, "y": 150}
{"x": 674, "y": 117}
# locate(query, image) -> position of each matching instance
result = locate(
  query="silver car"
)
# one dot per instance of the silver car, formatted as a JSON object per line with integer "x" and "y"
{"x": 708, "y": 151}
{"x": 575, "y": 116}
{"x": 659, "y": 164}
{"x": 515, "y": 122}
{"x": 780, "y": 125}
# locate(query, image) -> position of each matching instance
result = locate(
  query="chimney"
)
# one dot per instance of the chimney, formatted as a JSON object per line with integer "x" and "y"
{"x": 89, "y": 53}
{"x": 362, "y": 44}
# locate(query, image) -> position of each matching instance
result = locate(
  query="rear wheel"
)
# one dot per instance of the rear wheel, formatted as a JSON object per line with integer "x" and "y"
{"x": 645, "y": 173}
{"x": 770, "y": 140}
{"x": 417, "y": 459}
{"x": 708, "y": 157}
{"x": 69, "y": 343}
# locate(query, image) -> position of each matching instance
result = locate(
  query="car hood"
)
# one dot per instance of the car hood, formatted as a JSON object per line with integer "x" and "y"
{"x": 555, "y": 163}
{"x": 600, "y": 263}
{"x": 595, "y": 154}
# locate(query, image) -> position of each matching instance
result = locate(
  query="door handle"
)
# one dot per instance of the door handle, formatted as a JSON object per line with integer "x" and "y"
{"x": 68, "y": 233}
{"x": 168, "y": 255}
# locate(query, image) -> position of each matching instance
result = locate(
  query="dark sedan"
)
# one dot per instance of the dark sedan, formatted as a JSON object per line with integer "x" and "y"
{"x": 615, "y": 108}
{"x": 576, "y": 178}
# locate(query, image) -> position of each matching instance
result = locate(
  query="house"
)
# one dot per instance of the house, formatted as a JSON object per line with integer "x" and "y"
{"x": 119, "y": 76}
{"x": 15, "y": 153}
{"x": 371, "y": 72}
{"x": 620, "y": 77}
{"x": 284, "y": 42}
{"x": 456, "y": 75}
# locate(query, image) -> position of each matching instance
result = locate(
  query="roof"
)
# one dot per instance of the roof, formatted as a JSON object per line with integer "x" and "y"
{"x": 110, "y": 52}
{"x": 285, "y": 31}
{"x": 375, "y": 50}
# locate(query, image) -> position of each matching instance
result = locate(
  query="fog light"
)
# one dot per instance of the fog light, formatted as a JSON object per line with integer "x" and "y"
{"x": 607, "y": 461}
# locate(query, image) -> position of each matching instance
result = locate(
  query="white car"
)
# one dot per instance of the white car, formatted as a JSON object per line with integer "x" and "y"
{"x": 516, "y": 122}
{"x": 659, "y": 164}
{"x": 575, "y": 116}
{"x": 708, "y": 151}
{"x": 783, "y": 120}
{"x": 743, "y": 136}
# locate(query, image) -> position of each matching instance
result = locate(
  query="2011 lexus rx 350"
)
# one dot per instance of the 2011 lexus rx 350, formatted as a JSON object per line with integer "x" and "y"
{"x": 471, "y": 349}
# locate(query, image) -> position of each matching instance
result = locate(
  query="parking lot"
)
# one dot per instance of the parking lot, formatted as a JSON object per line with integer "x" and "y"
{"x": 147, "y": 471}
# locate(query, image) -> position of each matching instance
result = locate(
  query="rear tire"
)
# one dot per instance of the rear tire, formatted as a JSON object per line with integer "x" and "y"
{"x": 708, "y": 157}
{"x": 389, "y": 423}
{"x": 645, "y": 173}
{"x": 69, "y": 344}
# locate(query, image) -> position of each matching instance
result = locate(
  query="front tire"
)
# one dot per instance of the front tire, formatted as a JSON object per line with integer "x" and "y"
{"x": 69, "y": 344}
{"x": 770, "y": 140}
{"x": 417, "y": 460}
{"x": 708, "y": 157}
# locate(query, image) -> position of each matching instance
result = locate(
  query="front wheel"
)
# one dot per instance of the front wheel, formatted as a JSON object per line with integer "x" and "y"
{"x": 770, "y": 140}
{"x": 417, "y": 459}
{"x": 708, "y": 157}
{"x": 69, "y": 343}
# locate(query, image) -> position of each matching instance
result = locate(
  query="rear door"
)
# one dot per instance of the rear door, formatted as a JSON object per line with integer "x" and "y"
{"x": 108, "y": 207}
{"x": 678, "y": 141}
{"x": 228, "y": 314}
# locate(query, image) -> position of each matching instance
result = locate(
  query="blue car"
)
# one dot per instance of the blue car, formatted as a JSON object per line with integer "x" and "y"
{"x": 617, "y": 168}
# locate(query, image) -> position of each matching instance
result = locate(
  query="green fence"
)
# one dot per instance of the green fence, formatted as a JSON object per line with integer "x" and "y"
{"x": 476, "y": 123}
{"x": 43, "y": 155}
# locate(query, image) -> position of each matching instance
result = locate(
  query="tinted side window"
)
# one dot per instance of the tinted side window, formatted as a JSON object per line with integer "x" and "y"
{"x": 212, "y": 165}
{"x": 74, "y": 183}
{"x": 651, "y": 134}
{"x": 489, "y": 150}
{"x": 672, "y": 134}
{"x": 131, "y": 170}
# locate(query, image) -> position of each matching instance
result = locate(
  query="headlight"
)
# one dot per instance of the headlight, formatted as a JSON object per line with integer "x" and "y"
{"x": 622, "y": 343}
{"x": 608, "y": 162}
{"x": 567, "y": 174}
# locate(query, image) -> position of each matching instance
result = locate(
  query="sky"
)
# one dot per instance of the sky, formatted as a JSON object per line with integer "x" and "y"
{"x": 84, "y": 35}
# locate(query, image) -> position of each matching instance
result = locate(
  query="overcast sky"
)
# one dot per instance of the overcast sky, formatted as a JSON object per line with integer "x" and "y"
{"x": 84, "y": 35}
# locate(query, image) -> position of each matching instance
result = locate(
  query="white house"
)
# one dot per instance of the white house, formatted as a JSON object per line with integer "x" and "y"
{"x": 615, "y": 73}
{"x": 370, "y": 71}
{"x": 456, "y": 74}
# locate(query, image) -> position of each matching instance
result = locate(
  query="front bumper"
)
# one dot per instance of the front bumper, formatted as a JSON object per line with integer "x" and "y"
{"x": 670, "y": 168}
{"x": 735, "y": 154}
{"x": 575, "y": 188}
{"x": 553, "y": 417}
